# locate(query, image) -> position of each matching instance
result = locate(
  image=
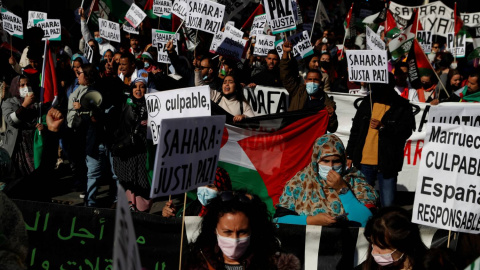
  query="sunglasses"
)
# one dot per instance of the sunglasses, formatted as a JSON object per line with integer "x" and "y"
{"x": 230, "y": 195}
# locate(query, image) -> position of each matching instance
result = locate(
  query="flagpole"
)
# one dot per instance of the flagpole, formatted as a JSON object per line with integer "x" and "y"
{"x": 183, "y": 226}
{"x": 42, "y": 88}
{"x": 314, "y": 19}
{"x": 455, "y": 34}
{"x": 11, "y": 46}
{"x": 345, "y": 36}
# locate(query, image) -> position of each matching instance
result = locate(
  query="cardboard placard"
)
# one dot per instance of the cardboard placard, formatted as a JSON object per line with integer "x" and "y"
{"x": 259, "y": 24}
{"x": 109, "y": 30}
{"x": 88, "y": 52}
{"x": 159, "y": 40}
{"x": 217, "y": 39}
{"x": 180, "y": 8}
{"x": 129, "y": 29}
{"x": 35, "y": 15}
{"x": 229, "y": 28}
{"x": 188, "y": 155}
{"x": 302, "y": 47}
{"x": 135, "y": 15}
{"x": 266, "y": 100}
{"x": 374, "y": 42}
{"x": 424, "y": 38}
{"x": 178, "y": 103}
{"x": 369, "y": 66}
{"x": 162, "y": 8}
{"x": 280, "y": 15}
{"x": 457, "y": 49}
{"x": 52, "y": 29}
{"x": 263, "y": 44}
{"x": 205, "y": 15}
{"x": 12, "y": 23}
{"x": 447, "y": 186}
{"x": 231, "y": 46}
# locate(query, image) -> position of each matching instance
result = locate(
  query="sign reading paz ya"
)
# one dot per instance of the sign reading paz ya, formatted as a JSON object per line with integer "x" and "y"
{"x": 447, "y": 194}
{"x": 185, "y": 102}
{"x": 367, "y": 66}
{"x": 187, "y": 156}
{"x": 205, "y": 15}
{"x": 12, "y": 23}
{"x": 109, "y": 30}
{"x": 280, "y": 15}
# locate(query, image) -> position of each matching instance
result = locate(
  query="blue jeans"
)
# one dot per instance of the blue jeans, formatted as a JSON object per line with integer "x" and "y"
{"x": 387, "y": 186}
{"x": 94, "y": 173}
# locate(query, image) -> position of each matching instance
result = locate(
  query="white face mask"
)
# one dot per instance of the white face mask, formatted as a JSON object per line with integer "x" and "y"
{"x": 323, "y": 170}
{"x": 24, "y": 91}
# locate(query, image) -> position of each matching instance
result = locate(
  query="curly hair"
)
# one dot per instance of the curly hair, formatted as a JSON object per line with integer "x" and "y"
{"x": 263, "y": 243}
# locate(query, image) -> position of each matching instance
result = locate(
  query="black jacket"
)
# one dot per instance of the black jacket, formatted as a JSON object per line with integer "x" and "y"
{"x": 399, "y": 124}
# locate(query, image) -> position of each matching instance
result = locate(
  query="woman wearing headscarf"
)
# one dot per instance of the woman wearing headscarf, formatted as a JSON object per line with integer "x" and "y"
{"x": 129, "y": 148}
{"x": 324, "y": 192}
{"x": 20, "y": 113}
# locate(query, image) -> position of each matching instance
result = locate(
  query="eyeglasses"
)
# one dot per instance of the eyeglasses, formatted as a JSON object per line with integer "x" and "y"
{"x": 230, "y": 195}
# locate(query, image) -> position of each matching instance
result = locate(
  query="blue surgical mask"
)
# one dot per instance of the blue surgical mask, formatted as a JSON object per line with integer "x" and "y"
{"x": 205, "y": 77}
{"x": 146, "y": 64}
{"x": 323, "y": 170}
{"x": 99, "y": 40}
{"x": 312, "y": 88}
{"x": 205, "y": 194}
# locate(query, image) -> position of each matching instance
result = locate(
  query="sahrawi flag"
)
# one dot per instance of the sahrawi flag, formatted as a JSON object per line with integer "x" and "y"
{"x": 418, "y": 64}
{"x": 391, "y": 28}
{"x": 402, "y": 43}
{"x": 263, "y": 153}
{"x": 346, "y": 23}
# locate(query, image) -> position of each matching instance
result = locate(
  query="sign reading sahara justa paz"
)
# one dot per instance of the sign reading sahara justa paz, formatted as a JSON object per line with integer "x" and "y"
{"x": 135, "y": 15}
{"x": 184, "y": 102}
{"x": 263, "y": 44}
{"x": 35, "y": 15}
{"x": 424, "y": 38}
{"x": 267, "y": 100}
{"x": 374, "y": 42}
{"x": 280, "y": 15}
{"x": 12, "y": 23}
{"x": 109, "y": 30}
{"x": 456, "y": 44}
{"x": 187, "y": 156}
{"x": 205, "y": 15}
{"x": 367, "y": 66}
{"x": 301, "y": 46}
{"x": 259, "y": 24}
{"x": 160, "y": 39}
{"x": 447, "y": 194}
{"x": 162, "y": 8}
{"x": 52, "y": 29}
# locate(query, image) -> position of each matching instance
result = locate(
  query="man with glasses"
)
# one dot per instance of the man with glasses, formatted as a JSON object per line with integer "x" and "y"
{"x": 205, "y": 74}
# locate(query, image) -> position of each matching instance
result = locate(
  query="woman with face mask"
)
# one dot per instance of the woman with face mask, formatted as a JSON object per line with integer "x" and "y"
{"x": 395, "y": 242}
{"x": 237, "y": 233}
{"x": 325, "y": 192}
{"x": 21, "y": 114}
{"x": 221, "y": 183}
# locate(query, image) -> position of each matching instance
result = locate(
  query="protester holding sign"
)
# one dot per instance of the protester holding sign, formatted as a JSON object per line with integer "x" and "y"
{"x": 237, "y": 232}
{"x": 309, "y": 94}
{"x": 378, "y": 135}
{"x": 130, "y": 148}
{"x": 394, "y": 240}
{"x": 231, "y": 99}
{"x": 103, "y": 45}
{"x": 324, "y": 192}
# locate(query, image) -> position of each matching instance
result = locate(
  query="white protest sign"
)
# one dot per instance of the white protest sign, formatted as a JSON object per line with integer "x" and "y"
{"x": 205, "y": 15}
{"x": 267, "y": 100}
{"x": 12, "y": 23}
{"x": 162, "y": 8}
{"x": 184, "y": 102}
{"x": 88, "y": 52}
{"x": 109, "y": 30}
{"x": 367, "y": 66}
{"x": 280, "y": 15}
{"x": 187, "y": 157}
{"x": 424, "y": 38}
{"x": 180, "y": 8}
{"x": 159, "y": 40}
{"x": 135, "y": 15}
{"x": 457, "y": 49}
{"x": 125, "y": 249}
{"x": 258, "y": 25}
{"x": 129, "y": 29}
{"x": 470, "y": 19}
{"x": 263, "y": 44}
{"x": 217, "y": 39}
{"x": 231, "y": 47}
{"x": 35, "y": 15}
{"x": 374, "y": 42}
{"x": 52, "y": 29}
{"x": 234, "y": 31}
{"x": 231, "y": 23}
{"x": 447, "y": 194}
{"x": 301, "y": 46}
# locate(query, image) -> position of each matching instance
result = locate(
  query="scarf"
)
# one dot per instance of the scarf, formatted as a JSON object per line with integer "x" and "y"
{"x": 421, "y": 93}
{"x": 465, "y": 97}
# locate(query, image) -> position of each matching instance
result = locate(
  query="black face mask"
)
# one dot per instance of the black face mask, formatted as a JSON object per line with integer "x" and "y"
{"x": 325, "y": 64}
{"x": 426, "y": 85}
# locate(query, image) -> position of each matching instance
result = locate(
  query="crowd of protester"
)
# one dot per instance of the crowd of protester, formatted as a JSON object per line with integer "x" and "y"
{"x": 98, "y": 123}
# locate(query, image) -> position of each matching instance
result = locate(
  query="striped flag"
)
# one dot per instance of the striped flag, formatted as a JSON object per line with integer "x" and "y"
{"x": 262, "y": 156}
{"x": 402, "y": 43}
{"x": 458, "y": 21}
